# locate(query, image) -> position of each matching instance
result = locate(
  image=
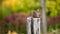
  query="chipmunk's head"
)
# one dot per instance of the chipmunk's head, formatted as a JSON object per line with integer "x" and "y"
{"x": 36, "y": 14}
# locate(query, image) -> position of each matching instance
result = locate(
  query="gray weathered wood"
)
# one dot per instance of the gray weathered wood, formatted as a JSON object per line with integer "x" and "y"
{"x": 35, "y": 24}
{"x": 28, "y": 25}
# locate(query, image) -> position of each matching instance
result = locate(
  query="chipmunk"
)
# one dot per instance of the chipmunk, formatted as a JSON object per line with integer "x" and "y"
{"x": 36, "y": 14}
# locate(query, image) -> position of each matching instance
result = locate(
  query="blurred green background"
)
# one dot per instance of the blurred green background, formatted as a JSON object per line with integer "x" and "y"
{"x": 27, "y": 6}
{"x": 8, "y": 7}
{"x": 18, "y": 6}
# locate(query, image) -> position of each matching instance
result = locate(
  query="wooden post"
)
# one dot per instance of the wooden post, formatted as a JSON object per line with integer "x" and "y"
{"x": 35, "y": 25}
{"x": 28, "y": 24}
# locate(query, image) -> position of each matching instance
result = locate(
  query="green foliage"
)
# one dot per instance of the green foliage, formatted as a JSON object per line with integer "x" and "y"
{"x": 54, "y": 7}
{"x": 25, "y": 6}
{"x": 54, "y": 27}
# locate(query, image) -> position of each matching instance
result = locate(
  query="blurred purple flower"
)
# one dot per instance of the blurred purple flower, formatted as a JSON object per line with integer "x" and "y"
{"x": 15, "y": 18}
{"x": 8, "y": 19}
{"x": 15, "y": 22}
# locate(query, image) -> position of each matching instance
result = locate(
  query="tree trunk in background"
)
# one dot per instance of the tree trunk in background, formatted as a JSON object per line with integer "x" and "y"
{"x": 43, "y": 16}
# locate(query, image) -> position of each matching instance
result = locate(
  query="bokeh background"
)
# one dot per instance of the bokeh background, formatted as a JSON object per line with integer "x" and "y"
{"x": 13, "y": 15}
